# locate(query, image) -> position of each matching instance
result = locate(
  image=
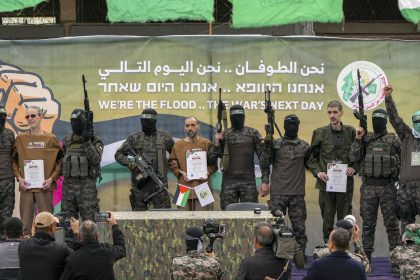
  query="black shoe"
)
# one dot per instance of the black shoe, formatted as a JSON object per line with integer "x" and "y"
{"x": 369, "y": 256}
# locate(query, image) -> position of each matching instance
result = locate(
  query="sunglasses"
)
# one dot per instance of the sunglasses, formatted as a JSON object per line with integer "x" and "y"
{"x": 32, "y": 116}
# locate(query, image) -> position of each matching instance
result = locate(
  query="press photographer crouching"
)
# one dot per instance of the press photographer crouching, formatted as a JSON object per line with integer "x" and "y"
{"x": 94, "y": 260}
{"x": 266, "y": 264}
{"x": 197, "y": 264}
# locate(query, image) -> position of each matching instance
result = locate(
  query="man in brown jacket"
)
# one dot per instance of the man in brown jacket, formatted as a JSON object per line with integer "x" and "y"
{"x": 43, "y": 147}
{"x": 178, "y": 162}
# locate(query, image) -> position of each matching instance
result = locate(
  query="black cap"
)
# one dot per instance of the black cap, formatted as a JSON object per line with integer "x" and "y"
{"x": 195, "y": 232}
{"x": 344, "y": 224}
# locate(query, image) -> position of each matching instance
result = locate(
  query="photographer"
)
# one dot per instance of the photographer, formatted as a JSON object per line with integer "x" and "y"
{"x": 264, "y": 263}
{"x": 94, "y": 260}
{"x": 196, "y": 264}
{"x": 41, "y": 257}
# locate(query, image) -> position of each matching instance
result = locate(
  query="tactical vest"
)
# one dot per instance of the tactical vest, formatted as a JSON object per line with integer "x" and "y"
{"x": 159, "y": 150}
{"x": 76, "y": 163}
{"x": 225, "y": 147}
{"x": 379, "y": 162}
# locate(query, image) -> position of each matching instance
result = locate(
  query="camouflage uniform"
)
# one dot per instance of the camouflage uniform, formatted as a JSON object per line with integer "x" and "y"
{"x": 81, "y": 167}
{"x": 407, "y": 257}
{"x": 195, "y": 266}
{"x": 408, "y": 195}
{"x": 328, "y": 146}
{"x": 238, "y": 183}
{"x": 141, "y": 142}
{"x": 379, "y": 169}
{"x": 358, "y": 255}
{"x": 7, "y": 178}
{"x": 287, "y": 190}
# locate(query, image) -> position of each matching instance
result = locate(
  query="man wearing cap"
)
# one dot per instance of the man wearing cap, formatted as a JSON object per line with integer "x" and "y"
{"x": 408, "y": 195}
{"x": 236, "y": 147}
{"x": 41, "y": 257}
{"x": 354, "y": 231}
{"x": 407, "y": 256}
{"x": 154, "y": 143}
{"x": 81, "y": 167}
{"x": 331, "y": 145}
{"x": 287, "y": 190}
{"x": 196, "y": 264}
{"x": 37, "y": 149}
{"x": 379, "y": 157}
{"x": 7, "y": 178}
{"x": 193, "y": 142}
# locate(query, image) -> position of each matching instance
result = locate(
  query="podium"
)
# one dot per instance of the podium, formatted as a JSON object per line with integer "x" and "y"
{"x": 153, "y": 238}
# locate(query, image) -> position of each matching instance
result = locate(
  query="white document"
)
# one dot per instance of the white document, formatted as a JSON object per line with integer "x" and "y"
{"x": 196, "y": 165}
{"x": 337, "y": 178}
{"x": 204, "y": 194}
{"x": 34, "y": 173}
{"x": 415, "y": 159}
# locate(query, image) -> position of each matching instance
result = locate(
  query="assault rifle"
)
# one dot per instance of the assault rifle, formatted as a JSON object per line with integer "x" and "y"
{"x": 88, "y": 112}
{"x": 221, "y": 114}
{"x": 144, "y": 164}
{"x": 271, "y": 121}
{"x": 360, "y": 114}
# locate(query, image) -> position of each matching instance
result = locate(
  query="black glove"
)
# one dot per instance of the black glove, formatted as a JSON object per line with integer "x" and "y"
{"x": 86, "y": 135}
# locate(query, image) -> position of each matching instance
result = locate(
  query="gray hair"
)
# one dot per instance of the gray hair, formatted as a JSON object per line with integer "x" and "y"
{"x": 263, "y": 234}
{"x": 38, "y": 109}
{"x": 88, "y": 230}
{"x": 340, "y": 238}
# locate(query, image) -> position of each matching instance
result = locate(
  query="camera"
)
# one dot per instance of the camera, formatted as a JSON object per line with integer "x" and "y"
{"x": 284, "y": 242}
{"x": 102, "y": 217}
{"x": 213, "y": 231}
{"x": 63, "y": 221}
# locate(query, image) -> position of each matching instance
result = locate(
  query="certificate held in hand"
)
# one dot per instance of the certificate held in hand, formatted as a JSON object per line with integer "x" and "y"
{"x": 337, "y": 177}
{"x": 196, "y": 165}
{"x": 34, "y": 173}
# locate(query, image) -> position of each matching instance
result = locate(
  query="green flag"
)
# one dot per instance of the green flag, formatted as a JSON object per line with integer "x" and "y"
{"x": 410, "y": 9}
{"x": 13, "y": 5}
{"x": 259, "y": 13}
{"x": 159, "y": 10}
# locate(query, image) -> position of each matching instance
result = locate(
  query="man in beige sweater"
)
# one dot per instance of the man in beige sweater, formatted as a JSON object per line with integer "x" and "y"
{"x": 178, "y": 162}
{"x": 43, "y": 147}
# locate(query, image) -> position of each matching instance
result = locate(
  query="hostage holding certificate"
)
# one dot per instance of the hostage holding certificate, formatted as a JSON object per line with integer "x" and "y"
{"x": 196, "y": 165}
{"x": 337, "y": 178}
{"x": 34, "y": 173}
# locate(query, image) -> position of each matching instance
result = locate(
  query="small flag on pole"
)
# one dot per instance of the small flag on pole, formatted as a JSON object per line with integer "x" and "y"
{"x": 204, "y": 195}
{"x": 181, "y": 195}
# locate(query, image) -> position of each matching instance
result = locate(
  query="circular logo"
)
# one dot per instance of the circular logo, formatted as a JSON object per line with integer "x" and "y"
{"x": 372, "y": 82}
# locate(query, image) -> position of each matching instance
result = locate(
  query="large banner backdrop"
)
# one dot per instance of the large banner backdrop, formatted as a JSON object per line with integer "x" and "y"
{"x": 180, "y": 76}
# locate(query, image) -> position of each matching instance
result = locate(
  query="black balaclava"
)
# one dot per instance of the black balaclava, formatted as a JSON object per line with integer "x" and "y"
{"x": 291, "y": 126}
{"x": 148, "y": 119}
{"x": 78, "y": 121}
{"x": 3, "y": 117}
{"x": 237, "y": 116}
{"x": 379, "y": 121}
{"x": 194, "y": 238}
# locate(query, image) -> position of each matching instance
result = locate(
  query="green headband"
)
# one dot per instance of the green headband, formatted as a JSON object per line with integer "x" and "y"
{"x": 148, "y": 116}
{"x": 237, "y": 112}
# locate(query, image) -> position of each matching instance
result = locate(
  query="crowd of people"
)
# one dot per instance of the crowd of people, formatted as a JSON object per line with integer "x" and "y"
{"x": 388, "y": 163}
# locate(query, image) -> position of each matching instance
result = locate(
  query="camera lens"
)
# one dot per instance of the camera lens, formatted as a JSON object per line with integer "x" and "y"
{"x": 257, "y": 210}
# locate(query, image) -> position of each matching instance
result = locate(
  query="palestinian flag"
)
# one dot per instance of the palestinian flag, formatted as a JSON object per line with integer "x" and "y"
{"x": 181, "y": 195}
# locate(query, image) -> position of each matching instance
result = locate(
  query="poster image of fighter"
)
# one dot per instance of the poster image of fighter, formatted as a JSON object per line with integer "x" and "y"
{"x": 20, "y": 89}
{"x": 373, "y": 80}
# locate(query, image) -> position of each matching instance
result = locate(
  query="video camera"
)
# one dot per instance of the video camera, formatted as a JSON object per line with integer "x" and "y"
{"x": 213, "y": 231}
{"x": 284, "y": 242}
{"x": 63, "y": 221}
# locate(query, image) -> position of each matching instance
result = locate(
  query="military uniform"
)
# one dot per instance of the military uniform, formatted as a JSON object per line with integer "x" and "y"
{"x": 407, "y": 257}
{"x": 7, "y": 178}
{"x": 408, "y": 195}
{"x": 379, "y": 169}
{"x": 328, "y": 146}
{"x": 154, "y": 146}
{"x": 287, "y": 190}
{"x": 81, "y": 168}
{"x": 195, "y": 266}
{"x": 238, "y": 183}
{"x": 358, "y": 255}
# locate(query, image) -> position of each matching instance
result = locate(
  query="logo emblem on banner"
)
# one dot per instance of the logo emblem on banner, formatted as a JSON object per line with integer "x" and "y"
{"x": 372, "y": 81}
